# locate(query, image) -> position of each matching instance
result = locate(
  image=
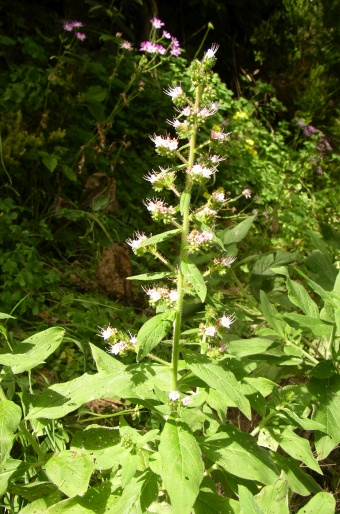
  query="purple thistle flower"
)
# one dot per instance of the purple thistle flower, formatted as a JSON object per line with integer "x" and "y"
{"x": 309, "y": 130}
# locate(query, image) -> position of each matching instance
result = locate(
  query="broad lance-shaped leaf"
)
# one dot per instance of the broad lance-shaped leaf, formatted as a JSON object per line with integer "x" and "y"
{"x": 182, "y": 467}
{"x": 60, "y": 399}
{"x": 296, "y": 446}
{"x": 236, "y": 234}
{"x": 247, "y": 501}
{"x": 273, "y": 498}
{"x": 10, "y": 416}
{"x": 137, "y": 495}
{"x": 299, "y": 297}
{"x": 321, "y": 503}
{"x": 149, "y": 277}
{"x": 217, "y": 378}
{"x": 327, "y": 409}
{"x": 160, "y": 237}
{"x": 193, "y": 275}
{"x": 34, "y": 350}
{"x": 153, "y": 331}
{"x": 239, "y": 454}
{"x": 70, "y": 471}
{"x": 270, "y": 313}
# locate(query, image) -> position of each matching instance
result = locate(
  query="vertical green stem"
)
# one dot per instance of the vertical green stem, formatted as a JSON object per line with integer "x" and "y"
{"x": 184, "y": 251}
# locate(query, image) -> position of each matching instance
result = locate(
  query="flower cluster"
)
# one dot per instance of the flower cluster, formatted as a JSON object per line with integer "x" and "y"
{"x": 69, "y": 26}
{"x": 161, "y": 180}
{"x": 165, "y": 146}
{"x": 136, "y": 242}
{"x": 156, "y": 46}
{"x": 200, "y": 240}
{"x": 224, "y": 322}
{"x": 160, "y": 211}
{"x": 161, "y": 296}
{"x": 321, "y": 144}
{"x": 220, "y": 264}
{"x": 120, "y": 343}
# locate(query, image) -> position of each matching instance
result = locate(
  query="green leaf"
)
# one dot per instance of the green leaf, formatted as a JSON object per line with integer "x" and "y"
{"x": 138, "y": 494}
{"x": 129, "y": 468}
{"x": 10, "y": 416}
{"x": 41, "y": 505}
{"x": 236, "y": 234}
{"x": 150, "y": 277}
{"x": 182, "y": 467}
{"x": 317, "y": 326}
{"x": 296, "y": 446}
{"x": 327, "y": 406}
{"x": 252, "y": 346}
{"x": 105, "y": 362}
{"x": 217, "y": 378}
{"x": 96, "y": 499}
{"x": 193, "y": 275}
{"x": 247, "y": 501}
{"x": 60, "y": 399}
{"x": 318, "y": 289}
{"x": 238, "y": 453}
{"x": 210, "y": 502}
{"x": 50, "y": 161}
{"x": 160, "y": 237}
{"x": 34, "y": 350}
{"x": 70, "y": 471}
{"x": 5, "y": 316}
{"x": 273, "y": 498}
{"x": 95, "y": 94}
{"x": 321, "y": 503}
{"x": 299, "y": 481}
{"x": 299, "y": 297}
{"x": 103, "y": 444}
{"x": 270, "y": 313}
{"x": 153, "y": 331}
{"x": 8, "y": 470}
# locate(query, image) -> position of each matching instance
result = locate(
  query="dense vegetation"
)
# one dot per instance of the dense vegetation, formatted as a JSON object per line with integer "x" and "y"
{"x": 222, "y": 390}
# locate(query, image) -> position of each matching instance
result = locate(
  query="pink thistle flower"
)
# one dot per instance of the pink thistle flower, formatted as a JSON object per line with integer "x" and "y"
{"x": 157, "y": 23}
{"x": 247, "y": 192}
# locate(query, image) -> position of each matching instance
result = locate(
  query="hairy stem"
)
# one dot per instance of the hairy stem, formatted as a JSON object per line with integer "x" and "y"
{"x": 184, "y": 251}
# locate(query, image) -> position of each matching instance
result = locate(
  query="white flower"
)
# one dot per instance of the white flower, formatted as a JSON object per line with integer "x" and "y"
{"x": 174, "y": 396}
{"x": 173, "y": 295}
{"x": 106, "y": 333}
{"x": 205, "y": 112}
{"x": 209, "y": 54}
{"x": 218, "y": 197}
{"x": 186, "y": 401}
{"x": 197, "y": 169}
{"x": 118, "y": 347}
{"x": 153, "y": 294}
{"x": 133, "y": 339}
{"x": 165, "y": 142}
{"x": 205, "y": 212}
{"x": 228, "y": 261}
{"x": 174, "y": 92}
{"x": 219, "y": 135}
{"x": 210, "y": 331}
{"x": 226, "y": 321}
{"x": 135, "y": 243}
{"x": 186, "y": 111}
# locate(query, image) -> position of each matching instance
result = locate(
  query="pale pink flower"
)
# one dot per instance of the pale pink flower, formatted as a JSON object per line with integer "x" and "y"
{"x": 126, "y": 45}
{"x": 210, "y": 331}
{"x": 219, "y": 135}
{"x": 206, "y": 111}
{"x": 247, "y": 192}
{"x": 80, "y": 36}
{"x": 157, "y": 23}
{"x": 186, "y": 111}
{"x": 135, "y": 243}
{"x": 197, "y": 169}
{"x": 148, "y": 46}
{"x": 174, "y": 396}
{"x": 118, "y": 347}
{"x": 166, "y": 34}
{"x": 186, "y": 401}
{"x": 227, "y": 321}
{"x": 154, "y": 294}
{"x": 68, "y": 26}
{"x": 218, "y": 197}
{"x": 165, "y": 142}
{"x": 173, "y": 295}
{"x": 174, "y": 92}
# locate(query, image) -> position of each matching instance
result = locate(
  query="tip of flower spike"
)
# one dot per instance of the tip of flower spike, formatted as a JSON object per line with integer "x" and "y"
{"x": 209, "y": 54}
